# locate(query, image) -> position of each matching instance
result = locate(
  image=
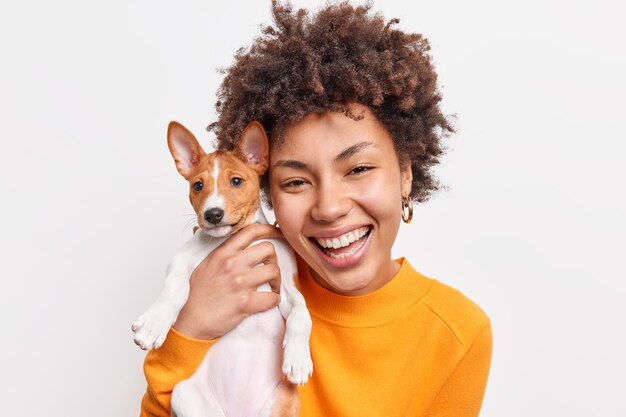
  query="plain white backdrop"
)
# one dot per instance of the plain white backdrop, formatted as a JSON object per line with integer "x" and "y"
{"x": 532, "y": 227}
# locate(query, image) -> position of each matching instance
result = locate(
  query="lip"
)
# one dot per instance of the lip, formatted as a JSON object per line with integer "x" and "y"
{"x": 347, "y": 261}
{"x": 327, "y": 234}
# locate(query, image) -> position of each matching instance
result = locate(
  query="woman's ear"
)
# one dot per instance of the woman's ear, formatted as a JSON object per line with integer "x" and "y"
{"x": 406, "y": 179}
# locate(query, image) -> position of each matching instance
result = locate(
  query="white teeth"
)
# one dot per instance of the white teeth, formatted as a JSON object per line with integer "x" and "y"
{"x": 339, "y": 255}
{"x": 343, "y": 240}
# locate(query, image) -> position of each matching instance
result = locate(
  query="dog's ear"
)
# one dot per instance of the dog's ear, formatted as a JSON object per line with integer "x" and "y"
{"x": 254, "y": 147}
{"x": 184, "y": 147}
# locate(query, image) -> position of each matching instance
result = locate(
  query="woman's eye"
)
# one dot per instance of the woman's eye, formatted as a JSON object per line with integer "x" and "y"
{"x": 197, "y": 186}
{"x": 236, "y": 181}
{"x": 293, "y": 183}
{"x": 360, "y": 169}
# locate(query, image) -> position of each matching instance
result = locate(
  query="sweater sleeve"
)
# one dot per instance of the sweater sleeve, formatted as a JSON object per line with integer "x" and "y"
{"x": 463, "y": 392}
{"x": 177, "y": 359}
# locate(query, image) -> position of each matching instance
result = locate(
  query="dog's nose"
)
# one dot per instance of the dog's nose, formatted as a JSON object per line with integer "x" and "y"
{"x": 214, "y": 215}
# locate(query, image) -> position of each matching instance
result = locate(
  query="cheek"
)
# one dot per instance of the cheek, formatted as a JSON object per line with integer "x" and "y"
{"x": 385, "y": 212}
{"x": 288, "y": 213}
{"x": 381, "y": 198}
{"x": 196, "y": 199}
{"x": 239, "y": 198}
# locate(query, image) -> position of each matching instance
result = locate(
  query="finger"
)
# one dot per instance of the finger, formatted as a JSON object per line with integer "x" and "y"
{"x": 245, "y": 256}
{"x": 244, "y": 237}
{"x": 269, "y": 273}
{"x": 262, "y": 301}
{"x": 262, "y": 252}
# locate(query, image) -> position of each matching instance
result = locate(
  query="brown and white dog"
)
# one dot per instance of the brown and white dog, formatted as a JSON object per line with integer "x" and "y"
{"x": 242, "y": 373}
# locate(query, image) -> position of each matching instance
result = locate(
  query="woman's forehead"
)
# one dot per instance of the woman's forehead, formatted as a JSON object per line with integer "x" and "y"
{"x": 334, "y": 132}
{"x": 311, "y": 147}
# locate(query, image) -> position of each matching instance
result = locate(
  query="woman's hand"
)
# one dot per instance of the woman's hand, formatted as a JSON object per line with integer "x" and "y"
{"x": 223, "y": 286}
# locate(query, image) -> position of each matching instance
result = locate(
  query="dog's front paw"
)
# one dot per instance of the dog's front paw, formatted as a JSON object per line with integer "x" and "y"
{"x": 297, "y": 363}
{"x": 151, "y": 328}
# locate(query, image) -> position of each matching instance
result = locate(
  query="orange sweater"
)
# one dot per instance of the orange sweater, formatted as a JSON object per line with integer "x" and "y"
{"x": 415, "y": 347}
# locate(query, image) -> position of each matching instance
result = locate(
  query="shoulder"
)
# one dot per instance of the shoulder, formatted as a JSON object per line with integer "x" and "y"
{"x": 461, "y": 315}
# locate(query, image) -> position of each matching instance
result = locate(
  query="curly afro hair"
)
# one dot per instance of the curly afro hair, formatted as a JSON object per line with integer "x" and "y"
{"x": 322, "y": 62}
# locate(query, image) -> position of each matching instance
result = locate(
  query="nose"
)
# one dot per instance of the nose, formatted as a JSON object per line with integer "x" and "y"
{"x": 214, "y": 215}
{"x": 331, "y": 203}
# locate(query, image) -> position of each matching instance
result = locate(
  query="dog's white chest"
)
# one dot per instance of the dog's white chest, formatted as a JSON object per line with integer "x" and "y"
{"x": 243, "y": 369}
{"x": 245, "y": 364}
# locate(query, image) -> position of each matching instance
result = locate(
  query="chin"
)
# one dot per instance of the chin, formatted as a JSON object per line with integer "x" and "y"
{"x": 346, "y": 286}
{"x": 353, "y": 290}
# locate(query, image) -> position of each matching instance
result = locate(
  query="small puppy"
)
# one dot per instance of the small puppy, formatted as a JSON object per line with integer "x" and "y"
{"x": 241, "y": 373}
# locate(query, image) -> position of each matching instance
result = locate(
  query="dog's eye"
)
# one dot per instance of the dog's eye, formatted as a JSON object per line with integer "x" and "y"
{"x": 197, "y": 186}
{"x": 236, "y": 181}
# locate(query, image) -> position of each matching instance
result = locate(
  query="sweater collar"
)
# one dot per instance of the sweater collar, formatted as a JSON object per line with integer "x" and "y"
{"x": 379, "y": 307}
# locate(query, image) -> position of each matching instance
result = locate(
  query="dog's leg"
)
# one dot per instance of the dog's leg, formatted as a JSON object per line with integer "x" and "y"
{"x": 284, "y": 402}
{"x": 152, "y": 326}
{"x": 297, "y": 363}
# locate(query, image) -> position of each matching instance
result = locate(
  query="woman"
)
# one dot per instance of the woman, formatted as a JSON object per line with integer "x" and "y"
{"x": 352, "y": 111}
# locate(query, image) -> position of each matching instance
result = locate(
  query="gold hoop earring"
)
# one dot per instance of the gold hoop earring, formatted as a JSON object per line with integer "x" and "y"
{"x": 407, "y": 209}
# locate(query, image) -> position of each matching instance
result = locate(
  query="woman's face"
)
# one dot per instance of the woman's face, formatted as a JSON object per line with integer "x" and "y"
{"x": 337, "y": 186}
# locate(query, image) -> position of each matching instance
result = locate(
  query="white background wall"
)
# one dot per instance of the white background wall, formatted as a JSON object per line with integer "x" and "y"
{"x": 532, "y": 227}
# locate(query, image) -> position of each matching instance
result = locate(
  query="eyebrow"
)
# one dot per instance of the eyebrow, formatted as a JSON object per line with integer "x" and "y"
{"x": 351, "y": 150}
{"x": 343, "y": 155}
{"x": 290, "y": 163}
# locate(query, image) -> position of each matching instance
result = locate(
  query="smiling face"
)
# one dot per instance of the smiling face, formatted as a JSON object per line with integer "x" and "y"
{"x": 336, "y": 187}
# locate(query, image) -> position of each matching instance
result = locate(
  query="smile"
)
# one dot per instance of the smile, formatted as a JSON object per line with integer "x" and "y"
{"x": 343, "y": 246}
{"x": 343, "y": 240}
